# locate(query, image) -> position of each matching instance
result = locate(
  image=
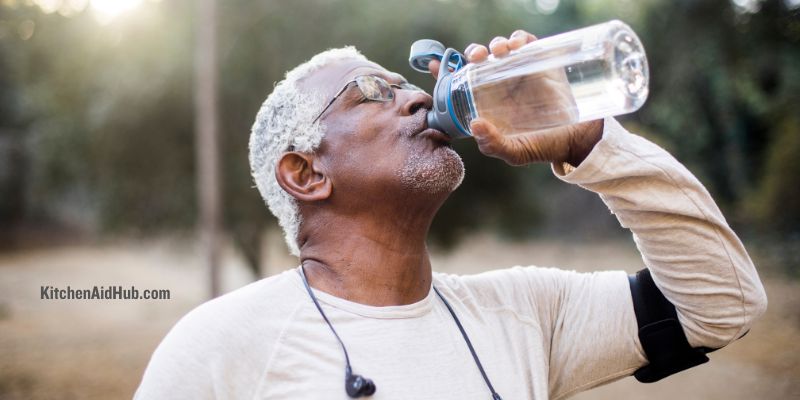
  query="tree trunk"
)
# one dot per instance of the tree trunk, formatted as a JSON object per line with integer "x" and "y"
{"x": 206, "y": 126}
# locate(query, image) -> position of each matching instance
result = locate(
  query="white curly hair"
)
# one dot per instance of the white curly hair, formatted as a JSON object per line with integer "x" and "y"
{"x": 283, "y": 122}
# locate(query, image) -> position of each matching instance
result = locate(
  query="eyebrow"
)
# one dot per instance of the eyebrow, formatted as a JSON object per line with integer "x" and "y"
{"x": 396, "y": 77}
{"x": 390, "y": 77}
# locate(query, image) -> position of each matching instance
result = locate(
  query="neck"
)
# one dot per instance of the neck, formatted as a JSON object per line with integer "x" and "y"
{"x": 375, "y": 258}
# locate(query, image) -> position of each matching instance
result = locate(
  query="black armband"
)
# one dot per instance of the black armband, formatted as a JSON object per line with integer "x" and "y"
{"x": 660, "y": 332}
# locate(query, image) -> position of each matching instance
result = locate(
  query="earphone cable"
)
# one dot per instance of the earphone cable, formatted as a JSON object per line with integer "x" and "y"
{"x": 316, "y": 303}
{"x": 495, "y": 396}
{"x": 348, "y": 369}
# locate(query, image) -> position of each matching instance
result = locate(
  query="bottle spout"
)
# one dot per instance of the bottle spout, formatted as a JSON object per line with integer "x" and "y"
{"x": 442, "y": 116}
{"x": 433, "y": 122}
{"x": 442, "y": 119}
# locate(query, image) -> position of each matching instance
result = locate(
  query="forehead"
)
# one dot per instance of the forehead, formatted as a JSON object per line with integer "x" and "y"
{"x": 329, "y": 79}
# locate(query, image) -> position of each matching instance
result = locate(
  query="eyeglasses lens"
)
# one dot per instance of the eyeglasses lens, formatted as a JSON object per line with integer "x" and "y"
{"x": 374, "y": 88}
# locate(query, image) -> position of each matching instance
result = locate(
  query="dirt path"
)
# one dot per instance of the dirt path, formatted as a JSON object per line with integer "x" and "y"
{"x": 95, "y": 349}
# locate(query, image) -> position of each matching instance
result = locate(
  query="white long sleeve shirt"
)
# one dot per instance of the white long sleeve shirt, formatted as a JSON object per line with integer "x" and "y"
{"x": 540, "y": 333}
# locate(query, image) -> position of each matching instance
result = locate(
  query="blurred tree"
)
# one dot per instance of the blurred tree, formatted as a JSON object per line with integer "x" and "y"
{"x": 774, "y": 203}
{"x": 732, "y": 71}
{"x": 103, "y": 120}
{"x": 12, "y": 126}
{"x": 206, "y": 127}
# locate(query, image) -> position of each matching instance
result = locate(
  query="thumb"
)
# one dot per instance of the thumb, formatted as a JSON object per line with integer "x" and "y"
{"x": 514, "y": 150}
{"x": 489, "y": 139}
{"x": 482, "y": 129}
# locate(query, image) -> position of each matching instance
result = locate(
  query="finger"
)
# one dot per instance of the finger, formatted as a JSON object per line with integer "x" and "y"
{"x": 488, "y": 138}
{"x": 520, "y": 38}
{"x": 477, "y": 53}
{"x": 499, "y": 46}
{"x": 433, "y": 67}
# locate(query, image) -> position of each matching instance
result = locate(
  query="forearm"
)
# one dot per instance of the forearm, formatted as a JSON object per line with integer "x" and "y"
{"x": 697, "y": 261}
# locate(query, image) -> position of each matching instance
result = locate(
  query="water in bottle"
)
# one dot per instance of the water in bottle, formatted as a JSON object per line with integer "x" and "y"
{"x": 578, "y": 76}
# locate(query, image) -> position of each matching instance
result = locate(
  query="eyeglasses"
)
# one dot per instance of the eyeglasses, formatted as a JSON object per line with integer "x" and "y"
{"x": 373, "y": 88}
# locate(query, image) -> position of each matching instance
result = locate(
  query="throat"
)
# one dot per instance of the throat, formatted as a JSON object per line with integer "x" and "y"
{"x": 366, "y": 271}
{"x": 370, "y": 250}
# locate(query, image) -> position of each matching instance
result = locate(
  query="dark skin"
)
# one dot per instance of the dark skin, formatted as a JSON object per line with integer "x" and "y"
{"x": 363, "y": 232}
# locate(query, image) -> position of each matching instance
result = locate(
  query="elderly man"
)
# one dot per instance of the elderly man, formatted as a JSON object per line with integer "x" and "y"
{"x": 342, "y": 155}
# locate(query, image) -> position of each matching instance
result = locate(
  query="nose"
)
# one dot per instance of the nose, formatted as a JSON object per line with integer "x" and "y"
{"x": 414, "y": 100}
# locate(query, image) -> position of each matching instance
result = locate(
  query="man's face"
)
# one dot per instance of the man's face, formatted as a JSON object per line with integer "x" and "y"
{"x": 376, "y": 147}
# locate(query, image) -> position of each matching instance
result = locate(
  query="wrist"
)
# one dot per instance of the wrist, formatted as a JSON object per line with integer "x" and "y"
{"x": 584, "y": 139}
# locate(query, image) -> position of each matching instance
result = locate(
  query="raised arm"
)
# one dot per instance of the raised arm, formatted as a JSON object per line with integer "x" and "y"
{"x": 695, "y": 258}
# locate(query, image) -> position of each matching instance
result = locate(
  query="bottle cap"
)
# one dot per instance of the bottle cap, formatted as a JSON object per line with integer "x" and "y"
{"x": 423, "y": 51}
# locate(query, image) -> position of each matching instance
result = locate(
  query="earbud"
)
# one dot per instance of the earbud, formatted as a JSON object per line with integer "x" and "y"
{"x": 357, "y": 386}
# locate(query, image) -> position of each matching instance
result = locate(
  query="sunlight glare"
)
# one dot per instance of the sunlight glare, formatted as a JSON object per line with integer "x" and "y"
{"x": 107, "y": 10}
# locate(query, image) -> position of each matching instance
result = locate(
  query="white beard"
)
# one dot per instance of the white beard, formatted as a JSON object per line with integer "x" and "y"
{"x": 439, "y": 173}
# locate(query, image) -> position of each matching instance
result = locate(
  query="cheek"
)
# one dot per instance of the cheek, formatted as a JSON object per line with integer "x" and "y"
{"x": 370, "y": 165}
{"x": 365, "y": 166}
{"x": 366, "y": 151}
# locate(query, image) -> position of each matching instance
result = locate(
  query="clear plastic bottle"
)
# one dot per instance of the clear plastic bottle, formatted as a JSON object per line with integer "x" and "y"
{"x": 578, "y": 76}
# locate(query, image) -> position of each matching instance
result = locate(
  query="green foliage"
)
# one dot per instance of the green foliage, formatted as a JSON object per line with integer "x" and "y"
{"x": 774, "y": 204}
{"x": 96, "y": 120}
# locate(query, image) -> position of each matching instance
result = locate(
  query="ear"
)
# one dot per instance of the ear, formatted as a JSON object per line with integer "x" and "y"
{"x": 301, "y": 175}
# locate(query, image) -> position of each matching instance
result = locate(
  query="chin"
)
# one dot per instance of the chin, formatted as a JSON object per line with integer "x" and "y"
{"x": 439, "y": 172}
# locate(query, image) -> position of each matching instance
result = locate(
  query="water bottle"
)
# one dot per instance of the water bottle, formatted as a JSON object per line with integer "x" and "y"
{"x": 582, "y": 75}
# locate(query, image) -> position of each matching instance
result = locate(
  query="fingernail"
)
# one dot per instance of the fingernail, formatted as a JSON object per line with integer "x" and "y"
{"x": 470, "y": 49}
{"x": 476, "y": 125}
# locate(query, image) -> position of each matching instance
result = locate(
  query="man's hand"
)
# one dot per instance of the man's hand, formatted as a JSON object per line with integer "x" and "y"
{"x": 571, "y": 143}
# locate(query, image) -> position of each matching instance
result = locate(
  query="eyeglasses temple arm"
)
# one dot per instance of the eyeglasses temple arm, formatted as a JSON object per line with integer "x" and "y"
{"x": 332, "y": 100}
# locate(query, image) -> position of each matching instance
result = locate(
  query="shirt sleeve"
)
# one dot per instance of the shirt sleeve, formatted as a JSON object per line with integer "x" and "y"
{"x": 179, "y": 368}
{"x": 695, "y": 259}
{"x": 587, "y": 323}
{"x": 216, "y": 351}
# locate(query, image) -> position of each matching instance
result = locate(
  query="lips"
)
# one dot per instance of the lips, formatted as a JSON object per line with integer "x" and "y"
{"x": 425, "y": 132}
{"x": 435, "y": 135}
